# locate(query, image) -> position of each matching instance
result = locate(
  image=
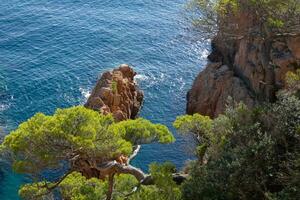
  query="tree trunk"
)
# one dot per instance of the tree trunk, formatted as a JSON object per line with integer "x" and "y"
{"x": 110, "y": 187}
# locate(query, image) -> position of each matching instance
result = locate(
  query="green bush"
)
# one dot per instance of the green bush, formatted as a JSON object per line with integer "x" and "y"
{"x": 250, "y": 153}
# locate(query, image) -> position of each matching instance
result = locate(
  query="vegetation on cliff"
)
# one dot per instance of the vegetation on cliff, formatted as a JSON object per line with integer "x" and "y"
{"x": 271, "y": 17}
{"x": 247, "y": 153}
{"x": 254, "y": 44}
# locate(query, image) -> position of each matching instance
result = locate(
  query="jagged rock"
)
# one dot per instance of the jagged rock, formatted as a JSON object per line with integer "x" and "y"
{"x": 212, "y": 88}
{"x": 256, "y": 71}
{"x": 117, "y": 93}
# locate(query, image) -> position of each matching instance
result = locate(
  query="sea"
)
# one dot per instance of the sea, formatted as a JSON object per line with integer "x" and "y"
{"x": 53, "y": 51}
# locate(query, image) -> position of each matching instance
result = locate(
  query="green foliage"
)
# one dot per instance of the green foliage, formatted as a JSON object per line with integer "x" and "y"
{"x": 277, "y": 23}
{"x": 162, "y": 175}
{"x": 44, "y": 141}
{"x": 114, "y": 86}
{"x": 196, "y": 123}
{"x": 124, "y": 186}
{"x": 223, "y": 7}
{"x": 203, "y": 16}
{"x": 163, "y": 189}
{"x": 53, "y": 142}
{"x": 208, "y": 132}
{"x": 34, "y": 191}
{"x": 293, "y": 83}
{"x": 142, "y": 131}
{"x": 270, "y": 16}
{"x": 77, "y": 187}
{"x": 293, "y": 79}
{"x": 251, "y": 153}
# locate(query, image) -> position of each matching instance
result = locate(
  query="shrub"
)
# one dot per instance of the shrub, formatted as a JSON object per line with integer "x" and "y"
{"x": 251, "y": 153}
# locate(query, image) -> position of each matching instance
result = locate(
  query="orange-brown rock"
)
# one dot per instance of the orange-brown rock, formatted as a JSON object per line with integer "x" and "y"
{"x": 212, "y": 88}
{"x": 249, "y": 69}
{"x": 117, "y": 93}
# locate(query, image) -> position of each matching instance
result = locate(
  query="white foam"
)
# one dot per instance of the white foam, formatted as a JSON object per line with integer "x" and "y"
{"x": 4, "y": 107}
{"x": 86, "y": 93}
{"x": 141, "y": 77}
{"x": 204, "y": 53}
{"x": 201, "y": 48}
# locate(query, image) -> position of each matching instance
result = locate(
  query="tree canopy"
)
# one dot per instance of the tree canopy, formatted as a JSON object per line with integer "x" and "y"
{"x": 78, "y": 141}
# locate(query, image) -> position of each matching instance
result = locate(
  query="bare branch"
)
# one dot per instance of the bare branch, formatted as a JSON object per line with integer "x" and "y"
{"x": 134, "y": 154}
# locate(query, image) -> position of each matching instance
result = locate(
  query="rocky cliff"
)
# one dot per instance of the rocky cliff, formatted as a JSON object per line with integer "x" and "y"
{"x": 250, "y": 69}
{"x": 117, "y": 93}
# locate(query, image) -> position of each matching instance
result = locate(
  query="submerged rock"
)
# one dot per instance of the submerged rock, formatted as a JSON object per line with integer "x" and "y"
{"x": 117, "y": 93}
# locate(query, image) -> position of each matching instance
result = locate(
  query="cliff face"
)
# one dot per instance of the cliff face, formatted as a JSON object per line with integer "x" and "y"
{"x": 117, "y": 93}
{"x": 249, "y": 69}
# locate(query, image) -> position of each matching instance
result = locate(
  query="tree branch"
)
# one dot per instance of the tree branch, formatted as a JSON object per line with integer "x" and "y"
{"x": 115, "y": 167}
{"x": 144, "y": 179}
{"x": 134, "y": 154}
{"x": 52, "y": 187}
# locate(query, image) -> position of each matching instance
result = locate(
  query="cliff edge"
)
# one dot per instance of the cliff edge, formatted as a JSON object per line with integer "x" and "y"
{"x": 249, "y": 69}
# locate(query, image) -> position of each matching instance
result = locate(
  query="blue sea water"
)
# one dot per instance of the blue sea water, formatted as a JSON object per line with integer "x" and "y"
{"x": 52, "y": 51}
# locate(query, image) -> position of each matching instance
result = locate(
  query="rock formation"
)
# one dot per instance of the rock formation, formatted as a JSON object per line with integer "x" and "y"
{"x": 117, "y": 93}
{"x": 212, "y": 88}
{"x": 249, "y": 69}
